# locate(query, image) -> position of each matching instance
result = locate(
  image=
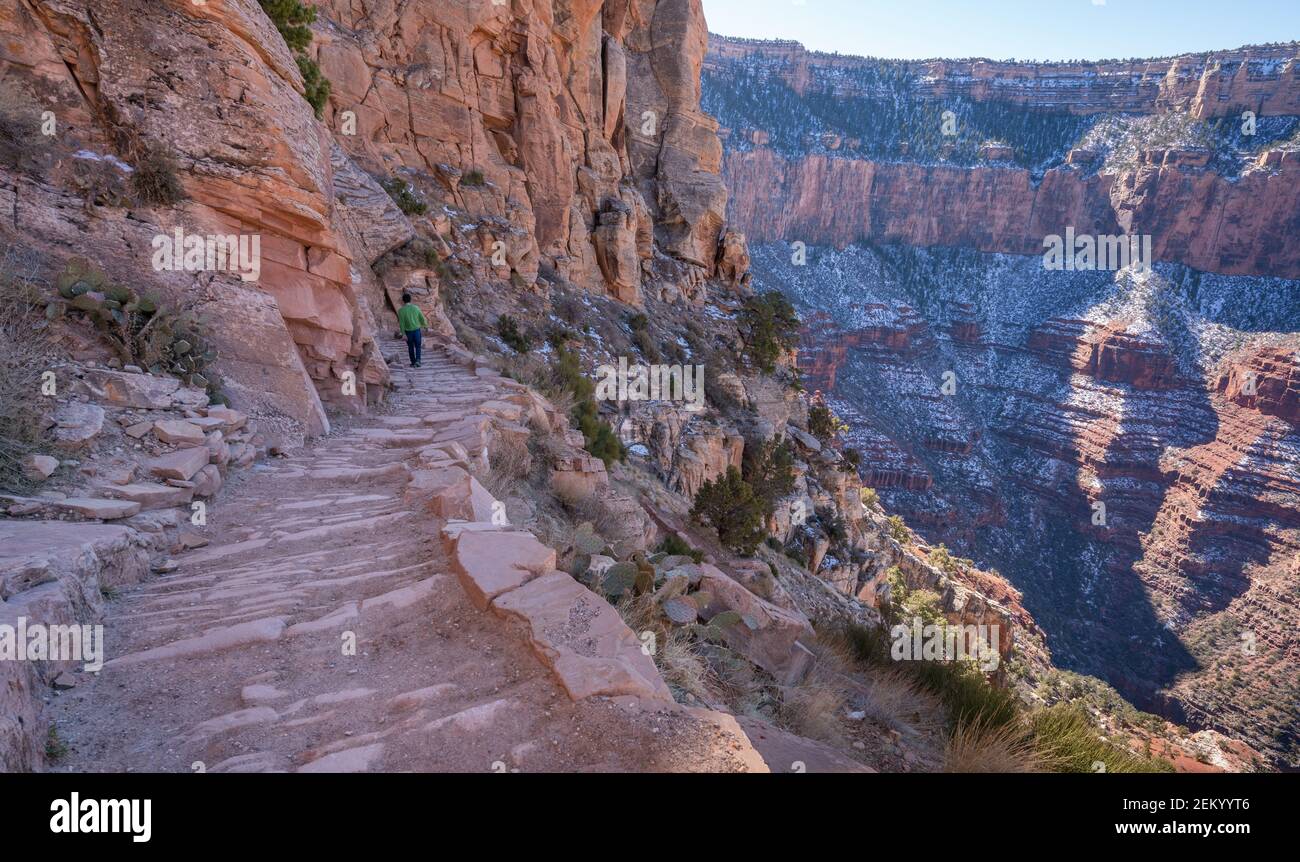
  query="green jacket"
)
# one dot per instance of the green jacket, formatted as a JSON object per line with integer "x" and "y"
{"x": 410, "y": 318}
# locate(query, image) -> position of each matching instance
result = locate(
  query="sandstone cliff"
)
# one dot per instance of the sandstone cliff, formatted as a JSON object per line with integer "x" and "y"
{"x": 1017, "y": 164}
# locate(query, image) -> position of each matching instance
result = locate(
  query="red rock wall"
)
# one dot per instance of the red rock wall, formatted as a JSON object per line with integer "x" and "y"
{"x": 1194, "y": 216}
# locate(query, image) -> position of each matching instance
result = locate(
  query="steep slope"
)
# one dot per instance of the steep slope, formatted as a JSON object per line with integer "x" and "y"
{"x": 998, "y": 406}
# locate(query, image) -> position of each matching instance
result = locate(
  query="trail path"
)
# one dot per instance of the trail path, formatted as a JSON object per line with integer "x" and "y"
{"x": 236, "y": 661}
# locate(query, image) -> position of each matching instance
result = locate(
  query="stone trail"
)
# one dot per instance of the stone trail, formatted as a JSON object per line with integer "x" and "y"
{"x": 236, "y": 661}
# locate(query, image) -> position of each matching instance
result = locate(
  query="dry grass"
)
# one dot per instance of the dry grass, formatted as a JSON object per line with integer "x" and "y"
{"x": 893, "y": 700}
{"x": 21, "y": 142}
{"x": 24, "y": 357}
{"x": 813, "y": 708}
{"x": 677, "y": 656}
{"x": 983, "y": 747}
{"x": 510, "y": 463}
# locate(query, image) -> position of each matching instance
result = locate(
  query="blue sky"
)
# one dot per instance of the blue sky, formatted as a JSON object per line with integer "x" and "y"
{"x": 1001, "y": 29}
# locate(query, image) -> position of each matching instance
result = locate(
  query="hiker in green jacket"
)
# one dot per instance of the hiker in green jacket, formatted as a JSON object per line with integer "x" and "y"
{"x": 412, "y": 322}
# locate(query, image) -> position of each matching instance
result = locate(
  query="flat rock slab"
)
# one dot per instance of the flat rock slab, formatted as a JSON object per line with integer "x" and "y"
{"x": 76, "y": 424}
{"x": 151, "y": 495}
{"x": 144, "y": 391}
{"x": 104, "y": 510}
{"x": 256, "y": 631}
{"x": 491, "y": 563}
{"x": 181, "y": 464}
{"x": 356, "y": 759}
{"x": 582, "y": 639}
{"x": 785, "y": 752}
{"x": 179, "y": 432}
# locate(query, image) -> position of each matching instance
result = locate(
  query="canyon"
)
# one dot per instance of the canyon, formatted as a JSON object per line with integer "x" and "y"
{"x": 1086, "y": 433}
{"x": 547, "y": 182}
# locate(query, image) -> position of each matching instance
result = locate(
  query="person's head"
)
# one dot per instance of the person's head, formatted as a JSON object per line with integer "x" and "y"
{"x": 406, "y": 298}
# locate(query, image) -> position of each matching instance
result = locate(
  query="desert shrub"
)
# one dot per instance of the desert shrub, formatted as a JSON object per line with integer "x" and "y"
{"x": 812, "y": 709}
{"x": 473, "y": 177}
{"x": 898, "y": 530}
{"x": 140, "y": 328}
{"x": 870, "y": 498}
{"x": 771, "y": 328}
{"x": 566, "y": 377}
{"x": 645, "y": 342}
{"x": 1067, "y": 741}
{"x": 823, "y": 423}
{"x": 852, "y": 460}
{"x": 768, "y": 467}
{"x": 675, "y": 546}
{"x": 982, "y": 748}
{"x": 943, "y": 559}
{"x": 405, "y": 197}
{"x": 24, "y": 357}
{"x": 508, "y": 331}
{"x": 294, "y": 19}
{"x": 728, "y": 504}
{"x": 156, "y": 178}
{"x": 20, "y": 128}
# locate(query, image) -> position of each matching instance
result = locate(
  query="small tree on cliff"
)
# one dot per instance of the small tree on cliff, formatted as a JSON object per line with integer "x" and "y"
{"x": 771, "y": 328}
{"x": 294, "y": 20}
{"x": 729, "y": 506}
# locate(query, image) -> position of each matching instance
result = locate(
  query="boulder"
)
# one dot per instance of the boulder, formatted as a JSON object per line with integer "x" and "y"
{"x": 582, "y": 639}
{"x": 76, "y": 424}
{"x": 39, "y": 467}
{"x": 207, "y": 481}
{"x": 141, "y": 391}
{"x": 767, "y": 635}
{"x": 178, "y": 432}
{"x": 489, "y": 563}
{"x": 181, "y": 464}
{"x": 104, "y": 510}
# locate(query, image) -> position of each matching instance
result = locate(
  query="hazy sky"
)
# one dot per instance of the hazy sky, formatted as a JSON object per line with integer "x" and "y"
{"x": 1002, "y": 29}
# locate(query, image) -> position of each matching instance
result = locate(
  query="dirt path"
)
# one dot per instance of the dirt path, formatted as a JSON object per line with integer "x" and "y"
{"x": 238, "y": 660}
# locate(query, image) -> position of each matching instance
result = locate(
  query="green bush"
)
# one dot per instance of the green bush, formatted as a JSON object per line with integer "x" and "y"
{"x": 898, "y": 530}
{"x": 852, "y": 460}
{"x": 1066, "y": 739}
{"x": 508, "y": 331}
{"x": 473, "y": 177}
{"x": 823, "y": 423}
{"x": 771, "y": 328}
{"x": 155, "y": 179}
{"x": 293, "y": 20}
{"x": 768, "y": 467}
{"x": 729, "y": 506}
{"x": 316, "y": 87}
{"x": 600, "y": 441}
{"x": 598, "y": 438}
{"x": 405, "y": 197}
{"x": 676, "y": 547}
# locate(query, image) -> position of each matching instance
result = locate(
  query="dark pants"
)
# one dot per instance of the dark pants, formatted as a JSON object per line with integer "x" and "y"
{"x": 414, "y": 340}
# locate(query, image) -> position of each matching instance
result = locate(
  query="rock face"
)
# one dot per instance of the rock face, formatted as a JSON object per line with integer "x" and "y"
{"x": 1195, "y": 217}
{"x": 574, "y": 127}
{"x": 565, "y": 134}
{"x": 1121, "y": 448}
{"x": 1227, "y": 208}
